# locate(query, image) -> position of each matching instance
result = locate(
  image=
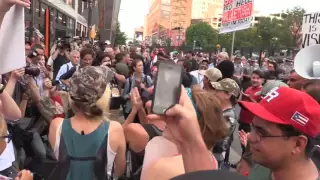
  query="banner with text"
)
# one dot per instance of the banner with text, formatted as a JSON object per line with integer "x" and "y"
{"x": 311, "y": 29}
{"x": 237, "y": 15}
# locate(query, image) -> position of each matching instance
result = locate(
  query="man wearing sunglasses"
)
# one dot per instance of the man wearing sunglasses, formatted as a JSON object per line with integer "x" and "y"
{"x": 281, "y": 140}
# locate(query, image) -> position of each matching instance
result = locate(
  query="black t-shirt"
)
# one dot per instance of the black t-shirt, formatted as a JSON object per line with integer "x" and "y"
{"x": 194, "y": 65}
{"x": 57, "y": 63}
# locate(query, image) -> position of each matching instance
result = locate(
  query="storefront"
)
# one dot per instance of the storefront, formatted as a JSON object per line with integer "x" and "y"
{"x": 62, "y": 19}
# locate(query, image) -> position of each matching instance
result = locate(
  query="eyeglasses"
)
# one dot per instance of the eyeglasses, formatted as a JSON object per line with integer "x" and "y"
{"x": 258, "y": 136}
{"x": 8, "y": 137}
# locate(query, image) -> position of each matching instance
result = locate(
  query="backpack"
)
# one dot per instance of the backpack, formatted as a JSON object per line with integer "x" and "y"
{"x": 145, "y": 80}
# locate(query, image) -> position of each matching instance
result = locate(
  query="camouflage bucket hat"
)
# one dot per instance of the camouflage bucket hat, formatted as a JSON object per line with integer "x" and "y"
{"x": 228, "y": 85}
{"x": 212, "y": 74}
{"x": 88, "y": 84}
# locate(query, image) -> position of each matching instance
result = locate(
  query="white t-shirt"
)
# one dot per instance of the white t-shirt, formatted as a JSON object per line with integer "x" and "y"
{"x": 198, "y": 76}
{"x": 7, "y": 157}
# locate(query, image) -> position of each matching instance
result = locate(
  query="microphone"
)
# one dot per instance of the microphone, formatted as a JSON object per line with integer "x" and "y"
{"x": 82, "y": 132}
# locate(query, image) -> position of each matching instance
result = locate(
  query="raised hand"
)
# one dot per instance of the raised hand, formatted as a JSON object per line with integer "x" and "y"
{"x": 5, "y": 5}
{"x": 136, "y": 99}
{"x": 17, "y": 74}
{"x": 24, "y": 175}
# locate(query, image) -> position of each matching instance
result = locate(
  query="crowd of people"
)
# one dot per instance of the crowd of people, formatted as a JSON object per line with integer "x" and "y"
{"x": 84, "y": 113}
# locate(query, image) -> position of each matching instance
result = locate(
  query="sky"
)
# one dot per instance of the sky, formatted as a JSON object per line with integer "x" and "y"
{"x": 132, "y": 12}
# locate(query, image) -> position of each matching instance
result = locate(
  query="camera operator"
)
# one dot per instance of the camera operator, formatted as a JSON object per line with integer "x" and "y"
{"x": 59, "y": 57}
{"x": 36, "y": 69}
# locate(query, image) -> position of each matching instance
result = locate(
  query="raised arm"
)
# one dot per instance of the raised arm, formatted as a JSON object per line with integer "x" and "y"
{"x": 8, "y": 106}
{"x": 5, "y": 6}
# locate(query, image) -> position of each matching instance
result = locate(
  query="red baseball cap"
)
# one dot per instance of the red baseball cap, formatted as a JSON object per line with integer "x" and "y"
{"x": 283, "y": 105}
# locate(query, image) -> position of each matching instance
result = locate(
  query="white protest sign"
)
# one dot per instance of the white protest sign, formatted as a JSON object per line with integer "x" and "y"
{"x": 311, "y": 29}
{"x": 12, "y": 51}
{"x": 237, "y": 15}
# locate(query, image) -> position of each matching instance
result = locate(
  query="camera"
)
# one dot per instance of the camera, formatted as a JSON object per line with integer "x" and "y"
{"x": 33, "y": 71}
{"x": 63, "y": 44}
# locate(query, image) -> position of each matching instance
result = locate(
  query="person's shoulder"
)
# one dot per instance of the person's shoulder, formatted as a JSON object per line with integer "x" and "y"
{"x": 115, "y": 126}
{"x": 55, "y": 123}
{"x": 259, "y": 172}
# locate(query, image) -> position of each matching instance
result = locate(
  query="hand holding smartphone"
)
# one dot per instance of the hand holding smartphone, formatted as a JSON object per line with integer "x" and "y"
{"x": 167, "y": 88}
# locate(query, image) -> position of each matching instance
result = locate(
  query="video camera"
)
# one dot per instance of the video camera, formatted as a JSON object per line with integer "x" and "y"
{"x": 64, "y": 43}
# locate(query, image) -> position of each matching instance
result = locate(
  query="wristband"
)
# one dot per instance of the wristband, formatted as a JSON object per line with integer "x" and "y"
{"x": 1, "y": 88}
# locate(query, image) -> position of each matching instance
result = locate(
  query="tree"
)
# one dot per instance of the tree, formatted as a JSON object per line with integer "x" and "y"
{"x": 121, "y": 37}
{"x": 202, "y": 33}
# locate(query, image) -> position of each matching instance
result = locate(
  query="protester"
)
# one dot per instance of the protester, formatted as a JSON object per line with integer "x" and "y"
{"x": 250, "y": 95}
{"x": 213, "y": 128}
{"x": 292, "y": 129}
{"x": 88, "y": 133}
{"x": 296, "y": 81}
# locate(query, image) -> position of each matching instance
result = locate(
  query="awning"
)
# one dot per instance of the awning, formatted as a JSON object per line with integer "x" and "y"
{"x": 63, "y": 7}
{"x": 82, "y": 20}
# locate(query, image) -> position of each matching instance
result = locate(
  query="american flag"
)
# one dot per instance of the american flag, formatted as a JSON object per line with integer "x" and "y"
{"x": 300, "y": 119}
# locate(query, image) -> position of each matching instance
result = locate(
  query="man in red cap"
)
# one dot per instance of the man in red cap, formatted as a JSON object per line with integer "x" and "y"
{"x": 285, "y": 125}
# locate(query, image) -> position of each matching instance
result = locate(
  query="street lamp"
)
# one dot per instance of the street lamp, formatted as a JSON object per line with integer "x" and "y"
{"x": 194, "y": 45}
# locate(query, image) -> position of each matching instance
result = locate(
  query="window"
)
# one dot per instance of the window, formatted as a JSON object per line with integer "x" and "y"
{"x": 80, "y": 4}
{"x": 56, "y": 16}
{"x": 60, "y": 18}
{"x": 64, "y": 20}
{"x": 165, "y": 14}
{"x": 43, "y": 9}
{"x": 37, "y": 5}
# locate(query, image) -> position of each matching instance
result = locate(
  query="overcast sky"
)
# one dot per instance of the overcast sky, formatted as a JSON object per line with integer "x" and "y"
{"x": 132, "y": 12}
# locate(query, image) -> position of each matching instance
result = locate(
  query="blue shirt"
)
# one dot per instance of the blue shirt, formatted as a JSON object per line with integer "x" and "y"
{"x": 63, "y": 69}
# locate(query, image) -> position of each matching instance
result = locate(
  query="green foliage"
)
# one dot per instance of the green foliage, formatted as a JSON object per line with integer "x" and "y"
{"x": 268, "y": 32}
{"x": 203, "y": 34}
{"x": 121, "y": 37}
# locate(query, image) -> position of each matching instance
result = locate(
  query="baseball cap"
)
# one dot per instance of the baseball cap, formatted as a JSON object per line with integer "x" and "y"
{"x": 238, "y": 56}
{"x": 88, "y": 84}
{"x": 228, "y": 85}
{"x": 212, "y": 74}
{"x": 284, "y": 105}
{"x": 270, "y": 85}
{"x": 253, "y": 59}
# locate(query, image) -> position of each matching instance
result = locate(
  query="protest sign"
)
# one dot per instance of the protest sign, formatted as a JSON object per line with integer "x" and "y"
{"x": 311, "y": 29}
{"x": 237, "y": 15}
{"x": 12, "y": 51}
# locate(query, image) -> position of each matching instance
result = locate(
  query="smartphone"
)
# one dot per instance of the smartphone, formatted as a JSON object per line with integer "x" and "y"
{"x": 167, "y": 88}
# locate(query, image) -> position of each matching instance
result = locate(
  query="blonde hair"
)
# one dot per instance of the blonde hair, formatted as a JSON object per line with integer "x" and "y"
{"x": 99, "y": 109}
{"x": 211, "y": 120}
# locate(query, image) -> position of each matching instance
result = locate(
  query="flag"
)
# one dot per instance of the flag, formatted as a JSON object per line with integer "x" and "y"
{"x": 300, "y": 119}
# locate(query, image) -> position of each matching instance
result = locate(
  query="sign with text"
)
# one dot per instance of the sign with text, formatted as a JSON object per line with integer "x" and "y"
{"x": 311, "y": 29}
{"x": 237, "y": 15}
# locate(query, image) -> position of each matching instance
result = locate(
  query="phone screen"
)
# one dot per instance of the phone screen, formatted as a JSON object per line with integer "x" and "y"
{"x": 167, "y": 87}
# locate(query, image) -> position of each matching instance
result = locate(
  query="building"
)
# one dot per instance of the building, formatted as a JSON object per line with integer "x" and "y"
{"x": 104, "y": 14}
{"x": 138, "y": 33}
{"x": 257, "y": 15}
{"x": 180, "y": 20}
{"x": 158, "y": 19}
{"x": 209, "y": 11}
{"x": 200, "y": 8}
{"x": 63, "y": 18}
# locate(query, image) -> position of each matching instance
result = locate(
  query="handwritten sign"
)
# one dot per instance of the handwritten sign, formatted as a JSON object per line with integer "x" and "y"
{"x": 12, "y": 52}
{"x": 311, "y": 29}
{"x": 237, "y": 15}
